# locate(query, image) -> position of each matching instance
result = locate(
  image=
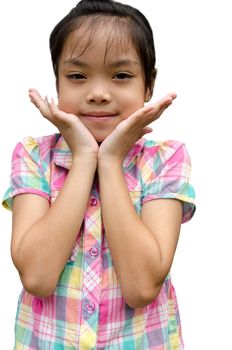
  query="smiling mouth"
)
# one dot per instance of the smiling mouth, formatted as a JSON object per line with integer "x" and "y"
{"x": 99, "y": 119}
{"x": 99, "y": 115}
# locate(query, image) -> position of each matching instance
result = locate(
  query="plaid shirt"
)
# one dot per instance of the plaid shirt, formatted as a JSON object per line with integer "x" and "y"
{"x": 87, "y": 310}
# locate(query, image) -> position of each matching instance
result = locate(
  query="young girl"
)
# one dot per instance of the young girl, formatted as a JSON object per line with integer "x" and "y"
{"x": 97, "y": 208}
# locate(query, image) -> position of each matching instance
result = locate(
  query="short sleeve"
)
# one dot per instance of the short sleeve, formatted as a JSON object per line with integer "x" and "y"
{"x": 28, "y": 172}
{"x": 168, "y": 168}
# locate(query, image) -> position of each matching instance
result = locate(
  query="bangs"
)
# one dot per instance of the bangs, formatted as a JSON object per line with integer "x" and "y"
{"x": 89, "y": 30}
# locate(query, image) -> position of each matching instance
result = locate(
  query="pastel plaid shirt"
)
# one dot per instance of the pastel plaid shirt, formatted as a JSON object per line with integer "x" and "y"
{"x": 87, "y": 310}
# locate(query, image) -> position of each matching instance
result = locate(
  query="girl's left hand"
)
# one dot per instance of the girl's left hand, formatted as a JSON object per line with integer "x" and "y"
{"x": 116, "y": 146}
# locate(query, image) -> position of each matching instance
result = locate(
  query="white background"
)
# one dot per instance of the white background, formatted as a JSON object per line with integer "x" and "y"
{"x": 193, "y": 44}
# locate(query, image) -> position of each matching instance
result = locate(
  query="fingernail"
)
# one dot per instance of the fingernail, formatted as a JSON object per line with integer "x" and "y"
{"x": 168, "y": 102}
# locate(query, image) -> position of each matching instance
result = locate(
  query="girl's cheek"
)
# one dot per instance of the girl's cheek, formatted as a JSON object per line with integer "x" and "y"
{"x": 65, "y": 100}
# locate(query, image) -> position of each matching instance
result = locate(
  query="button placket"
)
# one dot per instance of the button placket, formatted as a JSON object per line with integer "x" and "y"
{"x": 91, "y": 268}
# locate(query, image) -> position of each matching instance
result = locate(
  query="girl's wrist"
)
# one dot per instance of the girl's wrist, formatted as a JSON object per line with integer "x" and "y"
{"x": 89, "y": 160}
{"x": 109, "y": 164}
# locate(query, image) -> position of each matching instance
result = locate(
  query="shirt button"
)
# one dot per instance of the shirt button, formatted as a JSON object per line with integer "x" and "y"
{"x": 93, "y": 251}
{"x": 93, "y": 202}
{"x": 90, "y": 307}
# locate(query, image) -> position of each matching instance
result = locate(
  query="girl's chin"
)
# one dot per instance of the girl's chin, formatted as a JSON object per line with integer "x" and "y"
{"x": 100, "y": 138}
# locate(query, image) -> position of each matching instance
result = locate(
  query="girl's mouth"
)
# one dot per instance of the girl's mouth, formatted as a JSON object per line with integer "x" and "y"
{"x": 99, "y": 115}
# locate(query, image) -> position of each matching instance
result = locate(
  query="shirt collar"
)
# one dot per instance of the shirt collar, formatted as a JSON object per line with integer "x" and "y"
{"x": 63, "y": 155}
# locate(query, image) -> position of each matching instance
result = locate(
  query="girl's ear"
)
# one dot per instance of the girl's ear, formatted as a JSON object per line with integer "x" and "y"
{"x": 57, "y": 86}
{"x": 149, "y": 91}
{"x": 147, "y": 96}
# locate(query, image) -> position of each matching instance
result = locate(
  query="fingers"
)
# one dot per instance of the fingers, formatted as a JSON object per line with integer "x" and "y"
{"x": 162, "y": 104}
{"x": 148, "y": 114}
{"x": 55, "y": 112}
{"x": 172, "y": 95}
{"x": 35, "y": 97}
{"x": 40, "y": 103}
{"x": 147, "y": 130}
{"x": 47, "y": 108}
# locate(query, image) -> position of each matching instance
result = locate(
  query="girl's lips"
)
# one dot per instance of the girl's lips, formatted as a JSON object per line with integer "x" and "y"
{"x": 98, "y": 116}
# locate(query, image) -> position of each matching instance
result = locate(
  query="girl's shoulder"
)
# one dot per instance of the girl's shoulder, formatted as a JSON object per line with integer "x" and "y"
{"x": 164, "y": 150}
{"x": 47, "y": 142}
{"x": 36, "y": 147}
{"x": 162, "y": 145}
{"x": 152, "y": 154}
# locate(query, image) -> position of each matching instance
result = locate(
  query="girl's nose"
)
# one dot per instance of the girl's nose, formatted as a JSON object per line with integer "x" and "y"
{"x": 98, "y": 95}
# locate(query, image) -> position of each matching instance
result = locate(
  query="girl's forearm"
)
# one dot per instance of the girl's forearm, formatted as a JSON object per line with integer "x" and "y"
{"x": 47, "y": 245}
{"x": 135, "y": 251}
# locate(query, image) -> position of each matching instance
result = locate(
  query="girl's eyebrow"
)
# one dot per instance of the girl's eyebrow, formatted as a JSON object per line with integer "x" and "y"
{"x": 75, "y": 62}
{"x": 122, "y": 62}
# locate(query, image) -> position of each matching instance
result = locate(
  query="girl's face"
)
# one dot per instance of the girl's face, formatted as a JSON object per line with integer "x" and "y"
{"x": 101, "y": 83}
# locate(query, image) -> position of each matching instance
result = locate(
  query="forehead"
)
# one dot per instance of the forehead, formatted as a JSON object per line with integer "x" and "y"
{"x": 110, "y": 36}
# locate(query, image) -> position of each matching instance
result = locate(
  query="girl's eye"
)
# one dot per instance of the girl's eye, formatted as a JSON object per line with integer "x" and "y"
{"x": 76, "y": 76}
{"x": 122, "y": 76}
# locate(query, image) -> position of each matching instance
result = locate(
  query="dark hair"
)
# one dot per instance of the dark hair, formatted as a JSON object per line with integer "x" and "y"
{"x": 140, "y": 30}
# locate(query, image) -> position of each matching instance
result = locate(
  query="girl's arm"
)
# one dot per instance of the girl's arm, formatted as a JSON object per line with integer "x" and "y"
{"x": 143, "y": 248}
{"x": 43, "y": 237}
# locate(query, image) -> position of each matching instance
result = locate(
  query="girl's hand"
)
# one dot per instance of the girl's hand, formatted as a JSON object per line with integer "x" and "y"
{"x": 79, "y": 139}
{"x": 116, "y": 146}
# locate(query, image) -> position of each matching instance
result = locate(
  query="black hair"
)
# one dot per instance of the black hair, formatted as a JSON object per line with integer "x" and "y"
{"x": 140, "y": 31}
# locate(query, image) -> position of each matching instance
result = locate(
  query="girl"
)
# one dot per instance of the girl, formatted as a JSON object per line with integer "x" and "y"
{"x": 97, "y": 208}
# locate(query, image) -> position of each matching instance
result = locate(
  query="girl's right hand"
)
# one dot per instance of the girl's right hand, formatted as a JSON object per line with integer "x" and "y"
{"x": 80, "y": 141}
